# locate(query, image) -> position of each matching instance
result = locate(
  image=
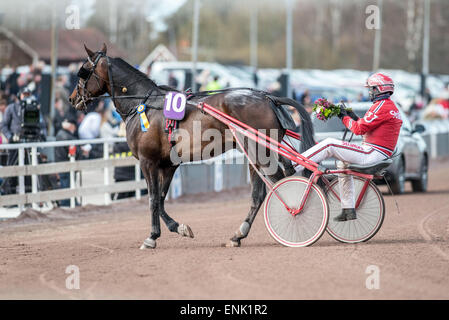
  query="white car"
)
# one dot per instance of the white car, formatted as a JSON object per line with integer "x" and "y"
{"x": 182, "y": 71}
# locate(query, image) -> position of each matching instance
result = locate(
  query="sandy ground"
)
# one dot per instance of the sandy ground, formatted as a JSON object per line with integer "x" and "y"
{"x": 411, "y": 253}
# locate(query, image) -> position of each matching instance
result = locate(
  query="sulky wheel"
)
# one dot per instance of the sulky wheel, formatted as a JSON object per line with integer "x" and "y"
{"x": 370, "y": 213}
{"x": 302, "y": 229}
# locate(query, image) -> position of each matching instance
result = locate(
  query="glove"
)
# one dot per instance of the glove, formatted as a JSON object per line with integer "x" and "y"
{"x": 343, "y": 113}
{"x": 352, "y": 115}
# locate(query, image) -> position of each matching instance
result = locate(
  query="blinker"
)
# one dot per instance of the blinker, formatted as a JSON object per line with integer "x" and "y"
{"x": 83, "y": 73}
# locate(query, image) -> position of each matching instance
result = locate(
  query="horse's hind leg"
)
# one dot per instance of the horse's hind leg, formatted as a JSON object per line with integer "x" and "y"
{"x": 289, "y": 170}
{"x": 166, "y": 176}
{"x": 151, "y": 174}
{"x": 258, "y": 193}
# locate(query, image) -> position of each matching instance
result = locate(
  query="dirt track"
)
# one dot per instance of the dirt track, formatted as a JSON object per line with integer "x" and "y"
{"x": 411, "y": 251}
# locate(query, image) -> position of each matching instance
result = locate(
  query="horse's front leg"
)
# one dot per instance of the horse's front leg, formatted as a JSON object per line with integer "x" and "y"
{"x": 166, "y": 176}
{"x": 151, "y": 174}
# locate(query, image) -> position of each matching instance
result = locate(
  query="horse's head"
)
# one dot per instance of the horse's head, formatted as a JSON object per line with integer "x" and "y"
{"x": 93, "y": 79}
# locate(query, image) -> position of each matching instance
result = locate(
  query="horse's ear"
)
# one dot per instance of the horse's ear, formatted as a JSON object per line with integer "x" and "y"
{"x": 104, "y": 49}
{"x": 90, "y": 53}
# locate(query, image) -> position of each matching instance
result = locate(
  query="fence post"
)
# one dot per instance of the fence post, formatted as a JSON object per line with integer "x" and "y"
{"x": 218, "y": 175}
{"x": 137, "y": 178}
{"x": 72, "y": 182}
{"x": 21, "y": 155}
{"x": 176, "y": 185}
{"x": 433, "y": 145}
{"x": 34, "y": 176}
{"x": 107, "y": 195}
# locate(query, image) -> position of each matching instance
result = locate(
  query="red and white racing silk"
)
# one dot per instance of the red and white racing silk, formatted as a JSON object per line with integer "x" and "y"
{"x": 380, "y": 129}
{"x": 380, "y": 126}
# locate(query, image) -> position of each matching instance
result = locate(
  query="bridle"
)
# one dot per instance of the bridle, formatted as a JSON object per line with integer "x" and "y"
{"x": 85, "y": 75}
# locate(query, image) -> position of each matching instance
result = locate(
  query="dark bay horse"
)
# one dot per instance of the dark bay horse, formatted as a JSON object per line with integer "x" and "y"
{"x": 126, "y": 86}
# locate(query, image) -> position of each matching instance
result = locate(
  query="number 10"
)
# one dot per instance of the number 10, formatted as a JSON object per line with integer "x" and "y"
{"x": 175, "y": 101}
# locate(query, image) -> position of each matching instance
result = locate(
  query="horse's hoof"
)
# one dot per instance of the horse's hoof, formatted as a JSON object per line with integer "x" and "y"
{"x": 185, "y": 231}
{"x": 148, "y": 244}
{"x": 233, "y": 244}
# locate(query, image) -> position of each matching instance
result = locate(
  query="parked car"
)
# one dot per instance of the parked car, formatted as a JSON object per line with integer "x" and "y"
{"x": 410, "y": 160}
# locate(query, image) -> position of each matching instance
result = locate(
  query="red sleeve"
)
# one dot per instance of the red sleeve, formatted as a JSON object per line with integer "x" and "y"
{"x": 372, "y": 119}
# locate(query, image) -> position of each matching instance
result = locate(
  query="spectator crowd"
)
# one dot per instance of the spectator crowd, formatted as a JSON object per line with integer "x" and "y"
{"x": 18, "y": 87}
{"x": 101, "y": 120}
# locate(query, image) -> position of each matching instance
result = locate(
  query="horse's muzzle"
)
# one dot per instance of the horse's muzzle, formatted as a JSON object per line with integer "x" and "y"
{"x": 79, "y": 103}
{"x": 81, "y": 106}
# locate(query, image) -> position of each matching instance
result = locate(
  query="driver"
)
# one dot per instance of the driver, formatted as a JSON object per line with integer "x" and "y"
{"x": 380, "y": 129}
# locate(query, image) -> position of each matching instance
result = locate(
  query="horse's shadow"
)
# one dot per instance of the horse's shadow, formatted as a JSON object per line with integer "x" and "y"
{"x": 334, "y": 243}
{"x": 432, "y": 192}
{"x": 324, "y": 243}
{"x": 375, "y": 242}
{"x": 436, "y": 192}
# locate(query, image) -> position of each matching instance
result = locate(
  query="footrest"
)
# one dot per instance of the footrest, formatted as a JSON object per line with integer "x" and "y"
{"x": 371, "y": 169}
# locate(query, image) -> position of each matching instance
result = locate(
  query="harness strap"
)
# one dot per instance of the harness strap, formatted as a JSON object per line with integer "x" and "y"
{"x": 111, "y": 82}
{"x": 170, "y": 126}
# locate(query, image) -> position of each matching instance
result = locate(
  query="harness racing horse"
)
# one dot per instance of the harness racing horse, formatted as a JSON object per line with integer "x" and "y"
{"x": 126, "y": 86}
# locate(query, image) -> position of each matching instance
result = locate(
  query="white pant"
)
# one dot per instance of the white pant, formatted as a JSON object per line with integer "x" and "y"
{"x": 353, "y": 153}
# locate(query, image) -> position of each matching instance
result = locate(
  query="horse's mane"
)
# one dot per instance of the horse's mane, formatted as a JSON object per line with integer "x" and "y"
{"x": 123, "y": 65}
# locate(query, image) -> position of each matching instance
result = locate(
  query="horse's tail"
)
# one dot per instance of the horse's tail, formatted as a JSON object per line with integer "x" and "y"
{"x": 306, "y": 122}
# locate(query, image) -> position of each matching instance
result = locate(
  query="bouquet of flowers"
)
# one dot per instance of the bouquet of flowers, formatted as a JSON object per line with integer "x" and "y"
{"x": 325, "y": 110}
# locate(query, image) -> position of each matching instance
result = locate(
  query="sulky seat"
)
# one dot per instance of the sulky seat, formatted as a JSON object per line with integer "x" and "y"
{"x": 372, "y": 168}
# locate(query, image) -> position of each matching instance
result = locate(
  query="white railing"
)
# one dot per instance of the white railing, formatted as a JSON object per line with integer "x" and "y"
{"x": 198, "y": 176}
{"x": 34, "y": 169}
{"x": 436, "y": 137}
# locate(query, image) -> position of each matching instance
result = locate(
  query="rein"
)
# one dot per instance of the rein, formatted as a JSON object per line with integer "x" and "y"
{"x": 85, "y": 74}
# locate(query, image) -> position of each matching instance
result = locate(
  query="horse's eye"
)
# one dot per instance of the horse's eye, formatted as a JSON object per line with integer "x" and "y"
{"x": 83, "y": 73}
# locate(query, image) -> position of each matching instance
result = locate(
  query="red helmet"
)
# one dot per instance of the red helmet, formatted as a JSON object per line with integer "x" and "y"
{"x": 380, "y": 84}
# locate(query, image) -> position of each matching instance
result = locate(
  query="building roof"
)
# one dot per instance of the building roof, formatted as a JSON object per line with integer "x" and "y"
{"x": 160, "y": 53}
{"x": 70, "y": 45}
{"x": 22, "y": 45}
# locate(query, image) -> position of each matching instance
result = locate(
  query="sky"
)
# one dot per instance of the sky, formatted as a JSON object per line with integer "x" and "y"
{"x": 158, "y": 10}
